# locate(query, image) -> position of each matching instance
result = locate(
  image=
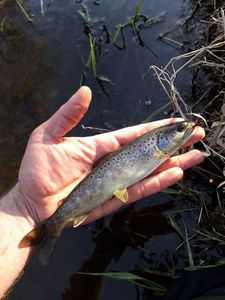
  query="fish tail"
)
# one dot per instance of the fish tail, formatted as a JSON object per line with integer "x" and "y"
{"x": 43, "y": 237}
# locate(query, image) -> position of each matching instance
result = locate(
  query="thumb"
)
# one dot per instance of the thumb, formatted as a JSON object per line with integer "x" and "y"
{"x": 69, "y": 114}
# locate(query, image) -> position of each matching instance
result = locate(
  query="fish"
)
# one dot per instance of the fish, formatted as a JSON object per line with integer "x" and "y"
{"x": 111, "y": 177}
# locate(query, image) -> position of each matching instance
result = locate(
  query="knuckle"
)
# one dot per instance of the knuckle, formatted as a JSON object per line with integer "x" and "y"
{"x": 66, "y": 118}
{"x": 158, "y": 183}
{"x": 142, "y": 191}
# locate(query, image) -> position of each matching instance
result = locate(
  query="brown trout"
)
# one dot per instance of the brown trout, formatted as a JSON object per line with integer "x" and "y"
{"x": 111, "y": 177}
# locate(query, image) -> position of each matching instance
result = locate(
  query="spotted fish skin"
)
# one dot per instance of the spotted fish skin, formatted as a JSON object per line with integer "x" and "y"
{"x": 122, "y": 169}
{"x": 119, "y": 170}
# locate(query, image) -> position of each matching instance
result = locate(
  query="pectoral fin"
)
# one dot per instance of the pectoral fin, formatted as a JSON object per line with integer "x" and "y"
{"x": 121, "y": 194}
{"x": 78, "y": 220}
{"x": 160, "y": 154}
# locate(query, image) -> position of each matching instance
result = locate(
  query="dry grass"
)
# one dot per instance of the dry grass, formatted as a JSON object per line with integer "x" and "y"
{"x": 211, "y": 58}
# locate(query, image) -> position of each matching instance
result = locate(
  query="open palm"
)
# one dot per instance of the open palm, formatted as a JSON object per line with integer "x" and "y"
{"x": 54, "y": 164}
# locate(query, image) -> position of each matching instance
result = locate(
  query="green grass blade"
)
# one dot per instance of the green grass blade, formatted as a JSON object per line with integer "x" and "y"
{"x": 158, "y": 111}
{"x": 104, "y": 79}
{"x": 84, "y": 15}
{"x": 214, "y": 236}
{"x": 82, "y": 79}
{"x": 162, "y": 274}
{"x": 131, "y": 278}
{"x": 23, "y": 11}
{"x": 196, "y": 268}
{"x": 187, "y": 192}
{"x": 138, "y": 7}
{"x": 93, "y": 59}
{"x": 149, "y": 287}
{"x": 190, "y": 256}
{"x": 117, "y": 33}
{"x": 175, "y": 227}
{"x": 88, "y": 62}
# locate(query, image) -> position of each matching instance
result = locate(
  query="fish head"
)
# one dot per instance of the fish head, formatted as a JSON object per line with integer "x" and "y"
{"x": 174, "y": 135}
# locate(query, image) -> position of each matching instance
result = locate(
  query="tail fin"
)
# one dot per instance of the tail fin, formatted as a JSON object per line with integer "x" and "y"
{"x": 44, "y": 238}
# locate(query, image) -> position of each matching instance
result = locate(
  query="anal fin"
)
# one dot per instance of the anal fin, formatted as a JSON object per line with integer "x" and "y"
{"x": 79, "y": 220}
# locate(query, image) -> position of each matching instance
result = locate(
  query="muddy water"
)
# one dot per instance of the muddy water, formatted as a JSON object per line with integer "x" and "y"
{"x": 41, "y": 66}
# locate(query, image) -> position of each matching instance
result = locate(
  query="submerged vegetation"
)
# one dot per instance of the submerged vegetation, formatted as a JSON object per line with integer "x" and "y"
{"x": 208, "y": 229}
{"x": 98, "y": 39}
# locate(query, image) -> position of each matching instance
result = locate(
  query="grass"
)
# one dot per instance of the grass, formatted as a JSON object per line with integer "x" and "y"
{"x": 211, "y": 59}
{"x": 93, "y": 59}
{"x": 132, "y": 21}
{"x": 212, "y": 236}
{"x": 23, "y": 10}
{"x": 176, "y": 227}
{"x": 133, "y": 278}
{"x": 137, "y": 22}
{"x": 157, "y": 112}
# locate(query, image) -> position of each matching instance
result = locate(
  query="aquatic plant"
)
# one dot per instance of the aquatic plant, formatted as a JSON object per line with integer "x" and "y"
{"x": 209, "y": 227}
{"x": 93, "y": 59}
{"x": 23, "y": 10}
{"x": 137, "y": 22}
{"x": 133, "y": 278}
{"x": 98, "y": 40}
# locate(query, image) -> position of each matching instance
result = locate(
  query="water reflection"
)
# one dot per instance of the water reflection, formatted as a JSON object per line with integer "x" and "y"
{"x": 21, "y": 91}
{"x": 42, "y": 64}
{"x": 131, "y": 227}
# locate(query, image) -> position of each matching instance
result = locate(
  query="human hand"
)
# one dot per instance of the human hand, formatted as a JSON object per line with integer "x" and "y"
{"x": 54, "y": 164}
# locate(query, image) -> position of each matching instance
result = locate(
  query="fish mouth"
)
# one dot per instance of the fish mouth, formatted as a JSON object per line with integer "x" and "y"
{"x": 190, "y": 126}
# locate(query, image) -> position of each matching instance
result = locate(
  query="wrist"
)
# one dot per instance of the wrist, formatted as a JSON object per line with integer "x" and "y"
{"x": 15, "y": 222}
{"x": 14, "y": 205}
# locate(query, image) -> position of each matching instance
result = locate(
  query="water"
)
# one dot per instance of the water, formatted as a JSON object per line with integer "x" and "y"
{"x": 41, "y": 66}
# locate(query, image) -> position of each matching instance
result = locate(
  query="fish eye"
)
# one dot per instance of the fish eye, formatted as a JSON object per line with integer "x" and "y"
{"x": 182, "y": 126}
